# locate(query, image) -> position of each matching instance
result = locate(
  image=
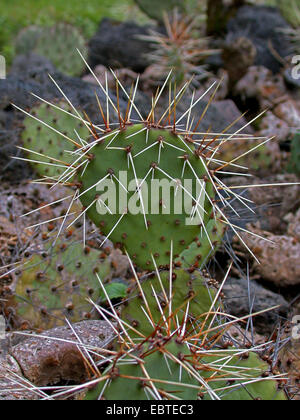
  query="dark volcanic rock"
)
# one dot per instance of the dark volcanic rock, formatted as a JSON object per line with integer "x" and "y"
{"x": 12, "y": 169}
{"x": 32, "y": 67}
{"x": 263, "y": 26}
{"x": 239, "y": 303}
{"x": 118, "y": 45}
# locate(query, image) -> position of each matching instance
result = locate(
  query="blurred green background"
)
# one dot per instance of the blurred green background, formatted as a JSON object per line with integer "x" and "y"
{"x": 86, "y": 15}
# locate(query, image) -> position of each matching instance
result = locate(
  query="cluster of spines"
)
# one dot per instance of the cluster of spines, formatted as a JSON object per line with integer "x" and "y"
{"x": 205, "y": 148}
{"x": 181, "y": 356}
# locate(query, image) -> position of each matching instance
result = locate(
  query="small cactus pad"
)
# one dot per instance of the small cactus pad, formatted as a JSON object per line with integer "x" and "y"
{"x": 57, "y": 43}
{"x": 294, "y": 165}
{"x": 186, "y": 287}
{"x": 200, "y": 251}
{"x": 56, "y": 283}
{"x": 42, "y": 140}
{"x": 145, "y": 156}
{"x": 259, "y": 159}
{"x": 261, "y": 386}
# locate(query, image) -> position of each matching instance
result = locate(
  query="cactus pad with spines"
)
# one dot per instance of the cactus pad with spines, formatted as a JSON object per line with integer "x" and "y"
{"x": 27, "y": 39}
{"x": 260, "y": 159}
{"x": 57, "y": 43}
{"x": 146, "y": 154}
{"x": 167, "y": 368}
{"x": 178, "y": 351}
{"x": 207, "y": 244}
{"x": 55, "y": 284}
{"x": 261, "y": 386}
{"x": 44, "y": 141}
{"x": 154, "y": 365}
{"x": 186, "y": 287}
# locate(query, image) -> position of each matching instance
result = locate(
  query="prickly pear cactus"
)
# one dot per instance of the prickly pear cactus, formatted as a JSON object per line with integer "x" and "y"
{"x": 261, "y": 386}
{"x": 154, "y": 363}
{"x": 27, "y": 39}
{"x": 200, "y": 251}
{"x": 41, "y": 142}
{"x": 168, "y": 369}
{"x": 57, "y": 43}
{"x": 142, "y": 154}
{"x": 259, "y": 159}
{"x": 55, "y": 284}
{"x": 185, "y": 287}
{"x": 172, "y": 347}
{"x": 294, "y": 165}
{"x": 180, "y": 48}
{"x": 151, "y": 184}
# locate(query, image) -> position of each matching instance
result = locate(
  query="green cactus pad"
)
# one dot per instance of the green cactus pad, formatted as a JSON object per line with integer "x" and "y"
{"x": 200, "y": 251}
{"x": 155, "y": 365}
{"x": 145, "y": 155}
{"x": 27, "y": 39}
{"x": 55, "y": 284}
{"x": 185, "y": 287}
{"x": 294, "y": 165}
{"x": 259, "y": 159}
{"x": 42, "y": 140}
{"x": 257, "y": 387}
{"x": 128, "y": 379}
{"x": 57, "y": 43}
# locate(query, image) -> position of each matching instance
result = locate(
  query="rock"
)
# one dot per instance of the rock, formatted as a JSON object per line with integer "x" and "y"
{"x": 222, "y": 92}
{"x": 286, "y": 198}
{"x": 289, "y": 112}
{"x": 218, "y": 117}
{"x": 261, "y": 85}
{"x": 117, "y": 45}
{"x": 273, "y": 203}
{"x": 17, "y": 89}
{"x": 294, "y": 225}
{"x": 60, "y": 355}
{"x": 11, "y": 169}
{"x": 125, "y": 76}
{"x": 263, "y": 26}
{"x": 214, "y": 61}
{"x": 273, "y": 126}
{"x": 278, "y": 256}
{"x": 239, "y": 303}
{"x": 13, "y": 386}
{"x": 33, "y": 67}
{"x": 238, "y": 55}
{"x": 270, "y": 204}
